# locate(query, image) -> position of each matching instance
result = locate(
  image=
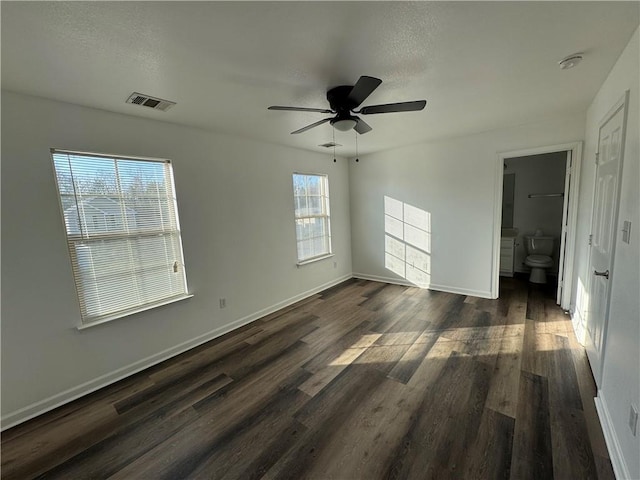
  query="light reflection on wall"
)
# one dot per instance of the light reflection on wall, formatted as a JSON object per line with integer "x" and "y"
{"x": 407, "y": 241}
{"x": 580, "y": 321}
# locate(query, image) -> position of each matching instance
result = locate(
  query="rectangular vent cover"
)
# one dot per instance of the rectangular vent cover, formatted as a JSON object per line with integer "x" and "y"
{"x": 149, "y": 101}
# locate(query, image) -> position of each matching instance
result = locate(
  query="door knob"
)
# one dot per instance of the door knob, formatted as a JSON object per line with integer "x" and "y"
{"x": 604, "y": 274}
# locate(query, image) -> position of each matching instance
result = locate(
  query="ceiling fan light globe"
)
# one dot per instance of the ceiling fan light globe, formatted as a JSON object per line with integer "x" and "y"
{"x": 344, "y": 125}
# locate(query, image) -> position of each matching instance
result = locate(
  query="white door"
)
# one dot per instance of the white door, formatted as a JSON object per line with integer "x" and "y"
{"x": 565, "y": 229}
{"x": 603, "y": 232}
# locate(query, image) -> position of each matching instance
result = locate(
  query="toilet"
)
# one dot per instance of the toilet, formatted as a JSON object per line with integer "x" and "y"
{"x": 539, "y": 250}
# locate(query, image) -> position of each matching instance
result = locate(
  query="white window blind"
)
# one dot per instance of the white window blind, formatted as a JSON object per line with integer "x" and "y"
{"x": 123, "y": 232}
{"x": 313, "y": 232}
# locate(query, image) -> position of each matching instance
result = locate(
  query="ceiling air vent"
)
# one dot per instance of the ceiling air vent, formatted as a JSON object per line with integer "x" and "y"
{"x": 149, "y": 101}
{"x": 330, "y": 144}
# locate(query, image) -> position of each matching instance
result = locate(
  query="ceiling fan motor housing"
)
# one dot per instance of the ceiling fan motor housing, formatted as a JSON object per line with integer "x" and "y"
{"x": 339, "y": 101}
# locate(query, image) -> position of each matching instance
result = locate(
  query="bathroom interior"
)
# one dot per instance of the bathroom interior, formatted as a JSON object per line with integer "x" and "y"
{"x": 532, "y": 214}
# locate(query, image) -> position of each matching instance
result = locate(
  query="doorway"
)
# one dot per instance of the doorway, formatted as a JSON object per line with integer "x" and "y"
{"x": 565, "y": 201}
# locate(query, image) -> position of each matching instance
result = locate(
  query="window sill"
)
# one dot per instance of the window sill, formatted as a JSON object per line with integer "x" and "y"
{"x": 116, "y": 316}
{"x": 314, "y": 259}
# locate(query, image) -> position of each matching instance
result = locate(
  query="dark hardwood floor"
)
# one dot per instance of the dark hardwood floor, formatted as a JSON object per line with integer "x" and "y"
{"x": 363, "y": 381}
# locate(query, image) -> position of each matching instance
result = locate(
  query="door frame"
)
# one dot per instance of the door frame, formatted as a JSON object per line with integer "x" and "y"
{"x": 574, "y": 184}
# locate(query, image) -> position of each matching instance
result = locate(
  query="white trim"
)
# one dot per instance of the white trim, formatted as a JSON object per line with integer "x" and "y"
{"x": 377, "y": 278}
{"x": 497, "y": 227}
{"x": 126, "y": 313}
{"x": 432, "y": 286}
{"x": 572, "y": 226}
{"x": 576, "y": 156}
{"x": 38, "y": 408}
{"x": 620, "y": 468}
{"x": 108, "y": 155}
{"x": 315, "y": 259}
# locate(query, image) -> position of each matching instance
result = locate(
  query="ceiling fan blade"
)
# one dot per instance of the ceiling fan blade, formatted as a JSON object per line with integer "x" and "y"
{"x": 362, "y": 127}
{"x": 393, "y": 107}
{"x": 300, "y": 109}
{"x": 308, "y": 127}
{"x": 362, "y": 89}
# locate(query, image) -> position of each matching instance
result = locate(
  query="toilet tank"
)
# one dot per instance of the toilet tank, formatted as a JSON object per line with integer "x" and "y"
{"x": 538, "y": 244}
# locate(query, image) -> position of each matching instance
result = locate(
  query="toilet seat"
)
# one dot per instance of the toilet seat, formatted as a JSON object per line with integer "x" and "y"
{"x": 540, "y": 261}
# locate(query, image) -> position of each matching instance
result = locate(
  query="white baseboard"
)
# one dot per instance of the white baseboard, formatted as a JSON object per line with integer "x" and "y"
{"x": 38, "y": 408}
{"x": 440, "y": 288}
{"x": 376, "y": 278}
{"x": 615, "y": 452}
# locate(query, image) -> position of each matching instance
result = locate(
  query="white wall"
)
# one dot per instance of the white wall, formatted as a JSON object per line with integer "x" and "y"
{"x": 537, "y": 174}
{"x": 455, "y": 180}
{"x": 236, "y": 210}
{"x": 620, "y": 385}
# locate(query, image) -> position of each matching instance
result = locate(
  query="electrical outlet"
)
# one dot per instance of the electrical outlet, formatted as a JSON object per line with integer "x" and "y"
{"x": 223, "y": 302}
{"x": 633, "y": 420}
{"x": 335, "y": 264}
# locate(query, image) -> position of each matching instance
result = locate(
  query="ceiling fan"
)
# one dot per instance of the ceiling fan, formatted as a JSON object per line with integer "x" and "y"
{"x": 343, "y": 101}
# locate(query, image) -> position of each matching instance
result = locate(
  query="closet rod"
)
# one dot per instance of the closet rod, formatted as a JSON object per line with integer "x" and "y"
{"x": 538, "y": 195}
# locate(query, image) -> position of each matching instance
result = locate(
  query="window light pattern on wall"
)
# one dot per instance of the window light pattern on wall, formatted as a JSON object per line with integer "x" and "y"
{"x": 313, "y": 232}
{"x": 123, "y": 233}
{"x": 407, "y": 241}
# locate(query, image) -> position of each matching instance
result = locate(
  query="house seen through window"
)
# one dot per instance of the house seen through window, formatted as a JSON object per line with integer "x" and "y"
{"x": 313, "y": 232}
{"x": 123, "y": 233}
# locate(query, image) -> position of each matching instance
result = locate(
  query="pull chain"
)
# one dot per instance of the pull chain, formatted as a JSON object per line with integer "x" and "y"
{"x": 357, "y": 159}
{"x": 333, "y": 131}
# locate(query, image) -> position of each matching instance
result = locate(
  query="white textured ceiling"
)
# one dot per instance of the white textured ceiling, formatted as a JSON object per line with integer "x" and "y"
{"x": 479, "y": 65}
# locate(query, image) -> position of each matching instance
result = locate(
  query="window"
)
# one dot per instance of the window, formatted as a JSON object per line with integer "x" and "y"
{"x": 313, "y": 233}
{"x": 123, "y": 233}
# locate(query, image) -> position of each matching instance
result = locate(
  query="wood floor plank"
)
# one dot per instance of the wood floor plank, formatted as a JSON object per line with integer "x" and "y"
{"x": 428, "y": 450}
{"x": 324, "y": 415}
{"x": 535, "y": 304}
{"x": 182, "y": 453}
{"x": 413, "y": 357}
{"x": 228, "y": 455}
{"x": 504, "y": 384}
{"x": 532, "y": 451}
{"x": 119, "y": 449}
{"x": 563, "y": 381}
{"x": 573, "y": 455}
{"x": 588, "y": 391}
{"x": 528, "y": 362}
{"x": 240, "y": 364}
{"x": 365, "y": 380}
{"x": 344, "y": 447}
{"x": 490, "y": 454}
{"x": 385, "y": 298}
{"x": 359, "y": 336}
{"x": 78, "y": 409}
{"x": 34, "y": 452}
{"x": 281, "y": 324}
{"x": 430, "y": 369}
{"x": 336, "y": 331}
{"x": 322, "y": 377}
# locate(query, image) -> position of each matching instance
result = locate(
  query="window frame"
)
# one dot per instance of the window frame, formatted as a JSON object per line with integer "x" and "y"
{"x": 74, "y": 239}
{"x": 325, "y": 215}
